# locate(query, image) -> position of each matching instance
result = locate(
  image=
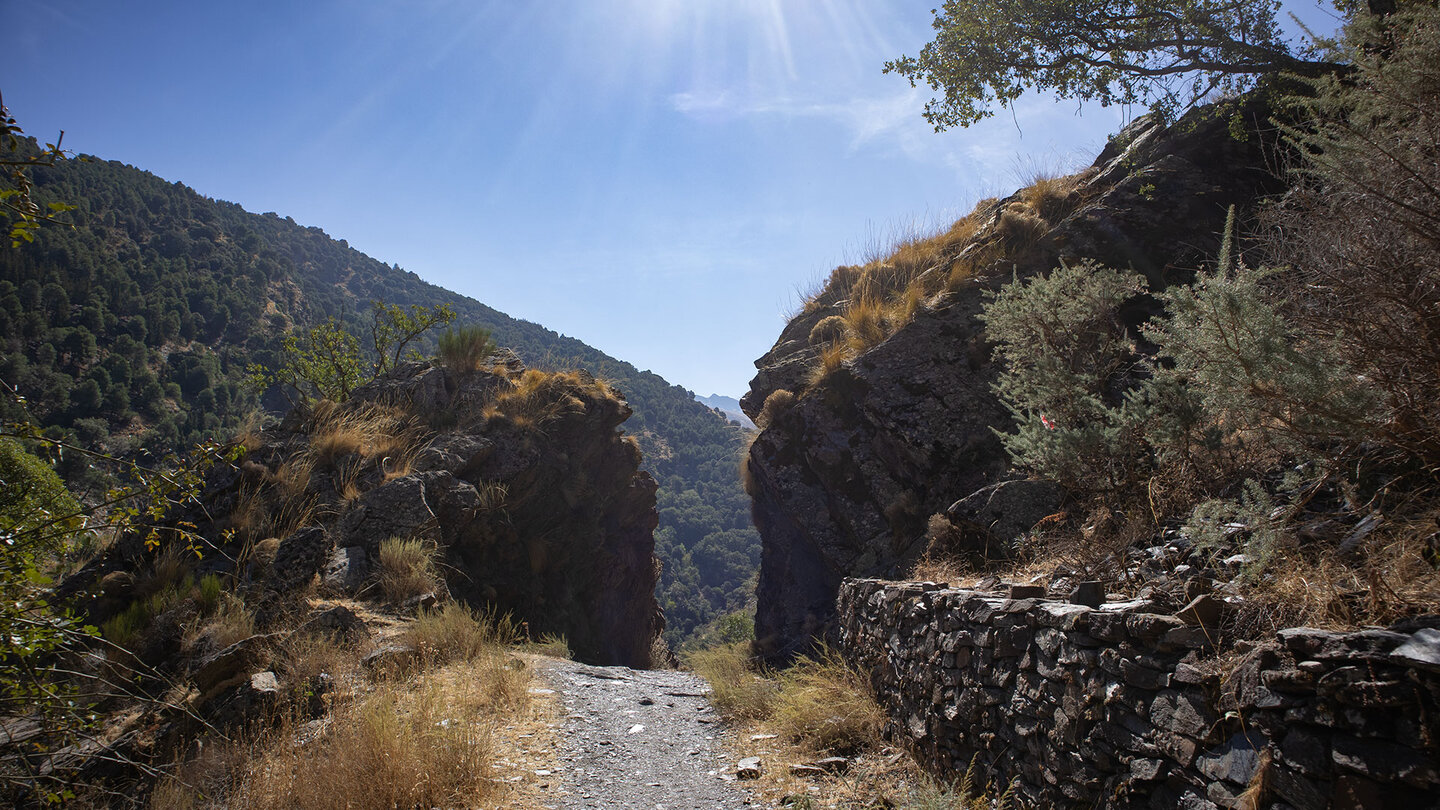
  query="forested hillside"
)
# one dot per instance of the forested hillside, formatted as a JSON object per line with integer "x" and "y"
{"x": 132, "y": 331}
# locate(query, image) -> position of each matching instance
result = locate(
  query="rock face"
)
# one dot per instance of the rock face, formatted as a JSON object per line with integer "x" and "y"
{"x": 520, "y": 480}
{"x": 844, "y": 479}
{"x": 1110, "y": 707}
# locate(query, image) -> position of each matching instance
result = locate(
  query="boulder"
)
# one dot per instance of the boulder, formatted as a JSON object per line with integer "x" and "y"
{"x": 396, "y": 509}
{"x": 1001, "y": 513}
{"x": 298, "y": 559}
{"x": 338, "y": 622}
{"x": 345, "y": 571}
{"x": 844, "y": 480}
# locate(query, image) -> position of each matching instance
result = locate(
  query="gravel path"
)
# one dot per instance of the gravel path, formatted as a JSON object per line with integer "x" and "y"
{"x": 639, "y": 739}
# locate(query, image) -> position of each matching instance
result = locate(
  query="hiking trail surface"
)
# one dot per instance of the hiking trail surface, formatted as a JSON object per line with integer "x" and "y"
{"x": 639, "y": 739}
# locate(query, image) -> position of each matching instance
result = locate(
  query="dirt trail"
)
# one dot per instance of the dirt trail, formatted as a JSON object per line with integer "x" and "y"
{"x": 639, "y": 739}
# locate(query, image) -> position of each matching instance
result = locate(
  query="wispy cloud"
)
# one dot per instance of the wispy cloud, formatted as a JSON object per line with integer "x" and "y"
{"x": 864, "y": 119}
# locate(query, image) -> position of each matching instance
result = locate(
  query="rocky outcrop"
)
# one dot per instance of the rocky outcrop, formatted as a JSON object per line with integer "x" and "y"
{"x": 844, "y": 478}
{"x": 520, "y": 480}
{"x": 1119, "y": 706}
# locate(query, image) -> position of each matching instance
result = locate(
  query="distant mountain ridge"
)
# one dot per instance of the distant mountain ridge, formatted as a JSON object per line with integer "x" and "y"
{"x": 730, "y": 406}
{"x": 133, "y": 330}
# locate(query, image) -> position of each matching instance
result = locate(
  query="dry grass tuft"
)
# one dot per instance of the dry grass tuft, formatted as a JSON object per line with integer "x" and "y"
{"x": 1392, "y": 578}
{"x": 1020, "y": 230}
{"x": 737, "y": 689}
{"x": 537, "y": 397}
{"x": 878, "y": 298}
{"x": 369, "y": 431}
{"x": 232, "y": 621}
{"x": 776, "y": 404}
{"x": 830, "y": 329}
{"x": 427, "y": 746}
{"x": 406, "y": 568}
{"x": 1052, "y": 198}
{"x": 826, "y": 707}
{"x": 831, "y": 358}
{"x": 456, "y": 633}
{"x": 819, "y": 703}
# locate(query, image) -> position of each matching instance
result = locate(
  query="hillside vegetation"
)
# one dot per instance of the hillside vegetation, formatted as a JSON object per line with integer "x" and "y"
{"x": 132, "y": 332}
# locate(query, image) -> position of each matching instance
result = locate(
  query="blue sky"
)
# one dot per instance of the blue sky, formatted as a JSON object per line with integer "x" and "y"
{"x": 659, "y": 178}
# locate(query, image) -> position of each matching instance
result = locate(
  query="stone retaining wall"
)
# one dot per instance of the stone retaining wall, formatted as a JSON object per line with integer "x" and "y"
{"x": 1118, "y": 707}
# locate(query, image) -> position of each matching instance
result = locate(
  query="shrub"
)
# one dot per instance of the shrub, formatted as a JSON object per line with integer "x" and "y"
{"x": 1363, "y": 227}
{"x": 825, "y": 705}
{"x": 1252, "y": 371}
{"x": 1068, "y": 359}
{"x": 406, "y": 568}
{"x": 465, "y": 348}
{"x": 736, "y": 688}
{"x": 456, "y": 633}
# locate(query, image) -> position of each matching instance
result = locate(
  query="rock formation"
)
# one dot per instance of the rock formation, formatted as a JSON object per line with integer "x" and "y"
{"x": 521, "y": 482}
{"x": 844, "y": 478}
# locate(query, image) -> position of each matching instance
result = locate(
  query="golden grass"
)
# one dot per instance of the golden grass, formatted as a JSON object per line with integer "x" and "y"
{"x": 825, "y": 706}
{"x": 819, "y": 703}
{"x": 371, "y": 431}
{"x": 878, "y": 298}
{"x": 549, "y": 645}
{"x": 818, "y": 707}
{"x": 537, "y": 397}
{"x": 1390, "y": 579}
{"x": 778, "y": 402}
{"x": 426, "y": 745}
{"x": 454, "y": 632}
{"x": 830, "y": 329}
{"x": 831, "y": 358}
{"x": 738, "y": 690}
{"x": 1052, "y": 198}
{"x": 406, "y": 568}
{"x": 232, "y": 621}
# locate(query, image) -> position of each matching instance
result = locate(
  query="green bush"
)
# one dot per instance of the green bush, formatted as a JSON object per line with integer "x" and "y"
{"x": 1068, "y": 361}
{"x": 465, "y": 348}
{"x": 1252, "y": 371}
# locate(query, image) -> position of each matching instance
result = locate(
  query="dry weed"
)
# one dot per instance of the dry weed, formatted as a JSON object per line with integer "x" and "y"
{"x": 737, "y": 689}
{"x": 537, "y": 397}
{"x": 777, "y": 403}
{"x": 232, "y": 621}
{"x": 424, "y": 746}
{"x": 1052, "y": 198}
{"x": 406, "y": 568}
{"x": 826, "y": 707}
{"x": 454, "y": 632}
{"x": 369, "y": 431}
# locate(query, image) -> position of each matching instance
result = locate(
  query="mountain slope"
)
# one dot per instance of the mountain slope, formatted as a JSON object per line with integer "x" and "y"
{"x": 132, "y": 332}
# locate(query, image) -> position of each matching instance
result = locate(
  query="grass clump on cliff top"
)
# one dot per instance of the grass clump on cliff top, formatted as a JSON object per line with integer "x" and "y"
{"x": 878, "y": 298}
{"x": 537, "y": 397}
{"x": 465, "y": 348}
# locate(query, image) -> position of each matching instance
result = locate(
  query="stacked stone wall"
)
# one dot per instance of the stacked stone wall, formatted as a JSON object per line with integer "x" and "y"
{"x": 1116, "y": 706}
